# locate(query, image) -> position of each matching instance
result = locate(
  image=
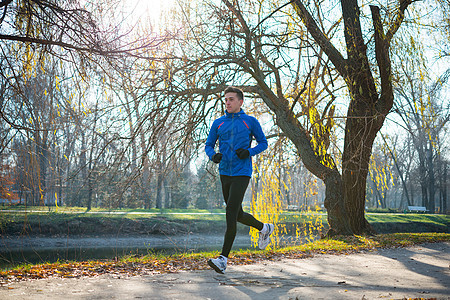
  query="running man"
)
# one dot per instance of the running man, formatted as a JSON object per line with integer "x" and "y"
{"x": 235, "y": 131}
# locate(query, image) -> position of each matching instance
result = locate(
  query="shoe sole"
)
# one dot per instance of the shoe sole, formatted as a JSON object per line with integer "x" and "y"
{"x": 216, "y": 268}
{"x": 270, "y": 233}
{"x": 262, "y": 248}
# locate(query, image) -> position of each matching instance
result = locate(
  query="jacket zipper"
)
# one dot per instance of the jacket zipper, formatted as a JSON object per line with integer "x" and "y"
{"x": 232, "y": 144}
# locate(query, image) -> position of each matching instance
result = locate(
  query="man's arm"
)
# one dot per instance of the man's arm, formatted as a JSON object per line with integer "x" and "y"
{"x": 259, "y": 136}
{"x": 211, "y": 141}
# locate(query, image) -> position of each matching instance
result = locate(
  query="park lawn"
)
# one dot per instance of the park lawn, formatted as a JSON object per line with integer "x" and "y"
{"x": 64, "y": 215}
{"x": 151, "y": 264}
{"x": 43, "y": 214}
{"x": 441, "y": 220}
{"x": 408, "y": 218}
{"x": 32, "y": 221}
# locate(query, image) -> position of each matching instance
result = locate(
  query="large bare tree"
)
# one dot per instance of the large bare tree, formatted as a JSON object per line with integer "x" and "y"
{"x": 367, "y": 109}
{"x": 257, "y": 52}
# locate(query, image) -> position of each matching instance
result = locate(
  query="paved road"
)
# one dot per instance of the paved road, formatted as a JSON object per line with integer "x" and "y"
{"x": 415, "y": 272}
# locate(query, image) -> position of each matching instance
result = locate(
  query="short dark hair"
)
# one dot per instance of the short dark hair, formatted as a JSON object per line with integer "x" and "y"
{"x": 233, "y": 89}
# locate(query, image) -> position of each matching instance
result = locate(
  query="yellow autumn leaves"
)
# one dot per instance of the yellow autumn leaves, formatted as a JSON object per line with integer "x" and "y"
{"x": 321, "y": 133}
{"x": 267, "y": 205}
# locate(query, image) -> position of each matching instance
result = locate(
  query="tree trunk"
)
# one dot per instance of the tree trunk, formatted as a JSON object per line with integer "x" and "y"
{"x": 431, "y": 180}
{"x": 90, "y": 183}
{"x": 84, "y": 171}
{"x": 159, "y": 182}
{"x": 423, "y": 186}
{"x": 358, "y": 143}
{"x": 444, "y": 189}
{"x": 336, "y": 211}
{"x": 89, "y": 196}
{"x": 43, "y": 167}
{"x": 167, "y": 195}
{"x": 160, "y": 178}
{"x": 338, "y": 220}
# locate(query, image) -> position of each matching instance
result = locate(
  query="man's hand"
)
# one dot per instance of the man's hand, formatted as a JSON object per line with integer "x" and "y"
{"x": 242, "y": 153}
{"x": 217, "y": 158}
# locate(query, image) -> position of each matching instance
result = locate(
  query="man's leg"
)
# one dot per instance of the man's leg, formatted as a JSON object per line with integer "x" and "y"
{"x": 265, "y": 230}
{"x": 233, "y": 191}
{"x": 249, "y": 220}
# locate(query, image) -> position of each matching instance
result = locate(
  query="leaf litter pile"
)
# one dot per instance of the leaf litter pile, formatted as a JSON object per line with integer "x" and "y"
{"x": 146, "y": 265}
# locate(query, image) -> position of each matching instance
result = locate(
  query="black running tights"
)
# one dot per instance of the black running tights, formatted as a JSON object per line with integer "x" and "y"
{"x": 233, "y": 188}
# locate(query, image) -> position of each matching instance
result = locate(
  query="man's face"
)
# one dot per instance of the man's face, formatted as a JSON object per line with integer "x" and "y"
{"x": 233, "y": 103}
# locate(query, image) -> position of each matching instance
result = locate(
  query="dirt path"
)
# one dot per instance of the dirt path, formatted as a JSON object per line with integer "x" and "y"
{"x": 415, "y": 272}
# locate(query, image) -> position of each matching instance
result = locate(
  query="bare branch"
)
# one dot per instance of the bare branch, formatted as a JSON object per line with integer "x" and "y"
{"x": 386, "y": 98}
{"x": 398, "y": 20}
{"x": 302, "y": 90}
{"x": 94, "y": 49}
{"x": 321, "y": 39}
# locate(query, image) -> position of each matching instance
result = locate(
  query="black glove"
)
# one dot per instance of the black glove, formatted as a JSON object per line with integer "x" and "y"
{"x": 242, "y": 153}
{"x": 216, "y": 158}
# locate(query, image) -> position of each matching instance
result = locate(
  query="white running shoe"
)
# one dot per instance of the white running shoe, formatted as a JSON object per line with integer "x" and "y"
{"x": 264, "y": 238}
{"x": 218, "y": 264}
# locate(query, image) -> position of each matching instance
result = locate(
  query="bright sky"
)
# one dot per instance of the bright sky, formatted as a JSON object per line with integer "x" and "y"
{"x": 148, "y": 9}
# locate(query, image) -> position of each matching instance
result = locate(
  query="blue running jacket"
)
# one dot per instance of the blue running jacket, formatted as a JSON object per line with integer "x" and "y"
{"x": 235, "y": 131}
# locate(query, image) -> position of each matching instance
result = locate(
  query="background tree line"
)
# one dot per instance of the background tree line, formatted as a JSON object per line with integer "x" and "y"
{"x": 98, "y": 111}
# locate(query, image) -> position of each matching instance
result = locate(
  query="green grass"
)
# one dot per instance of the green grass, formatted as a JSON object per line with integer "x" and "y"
{"x": 299, "y": 217}
{"x": 407, "y": 218}
{"x": 44, "y": 216}
{"x": 337, "y": 245}
{"x": 97, "y": 222}
{"x": 21, "y": 213}
{"x": 442, "y": 220}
